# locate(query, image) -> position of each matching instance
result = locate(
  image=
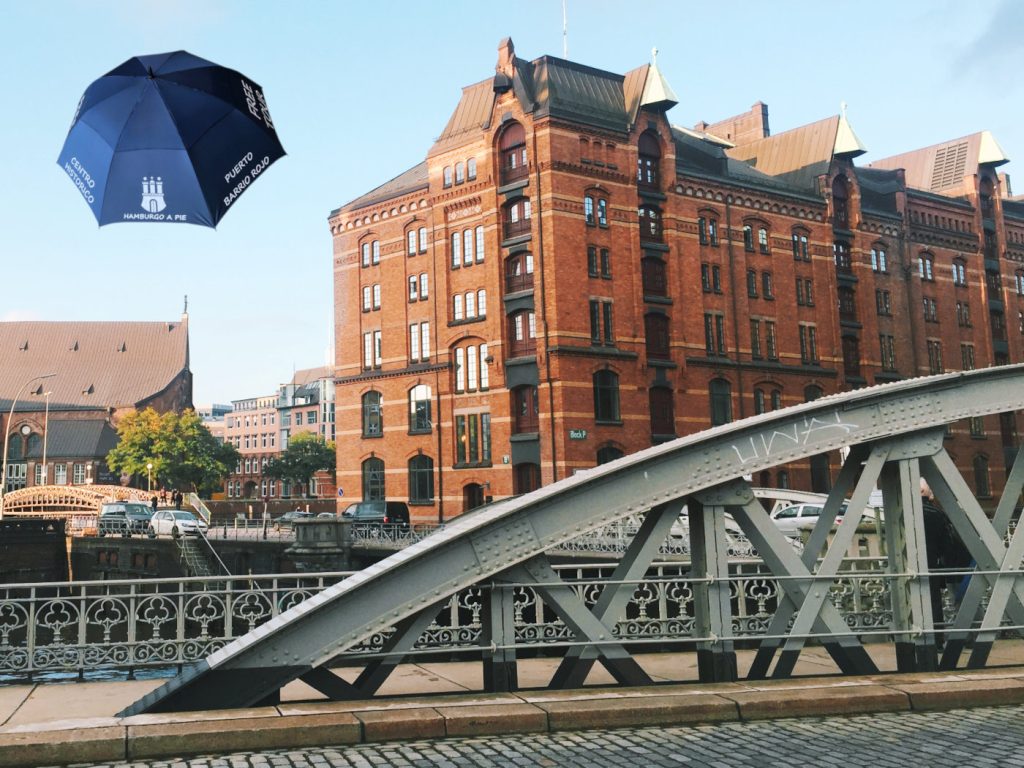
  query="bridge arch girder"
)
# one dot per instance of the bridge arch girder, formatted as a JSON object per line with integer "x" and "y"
{"x": 399, "y": 591}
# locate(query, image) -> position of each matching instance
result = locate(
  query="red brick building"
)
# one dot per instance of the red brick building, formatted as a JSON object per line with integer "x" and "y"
{"x": 103, "y": 371}
{"x": 568, "y": 277}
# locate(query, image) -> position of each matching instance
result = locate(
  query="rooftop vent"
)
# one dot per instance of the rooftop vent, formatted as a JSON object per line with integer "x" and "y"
{"x": 949, "y": 165}
{"x": 89, "y": 390}
{"x": 23, "y": 346}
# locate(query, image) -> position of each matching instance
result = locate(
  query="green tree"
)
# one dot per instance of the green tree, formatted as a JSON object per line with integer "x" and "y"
{"x": 181, "y": 449}
{"x": 307, "y": 453}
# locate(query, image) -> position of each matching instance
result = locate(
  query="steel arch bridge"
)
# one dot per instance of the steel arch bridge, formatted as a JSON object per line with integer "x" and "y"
{"x": 58, "y": 500}
{"x": 895, "y": 436}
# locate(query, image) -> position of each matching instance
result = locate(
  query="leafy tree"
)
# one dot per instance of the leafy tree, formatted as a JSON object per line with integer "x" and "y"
{"x": 181, "y": 449}
{"x": 307, "y": 453}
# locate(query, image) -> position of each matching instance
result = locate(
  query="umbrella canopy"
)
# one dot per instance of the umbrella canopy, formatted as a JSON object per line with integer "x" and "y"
{"x": 169, "y": 137}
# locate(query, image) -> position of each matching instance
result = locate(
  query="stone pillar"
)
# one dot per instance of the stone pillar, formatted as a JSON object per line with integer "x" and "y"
{"x": 321, "y": 544}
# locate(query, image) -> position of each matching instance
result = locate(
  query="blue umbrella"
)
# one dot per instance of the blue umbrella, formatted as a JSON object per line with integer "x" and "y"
{"x": 169, "y": 138}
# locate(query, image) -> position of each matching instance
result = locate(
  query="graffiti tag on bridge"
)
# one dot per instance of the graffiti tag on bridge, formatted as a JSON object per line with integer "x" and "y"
{"x": 777, "y": 440}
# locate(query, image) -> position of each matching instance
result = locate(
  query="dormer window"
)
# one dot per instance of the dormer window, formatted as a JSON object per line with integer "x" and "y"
{"x": 512, "y": 148}
{"x": 840, "y": 203}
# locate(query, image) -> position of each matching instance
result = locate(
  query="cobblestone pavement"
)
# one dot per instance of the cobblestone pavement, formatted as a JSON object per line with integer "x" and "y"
{"x": 973, "y": 738}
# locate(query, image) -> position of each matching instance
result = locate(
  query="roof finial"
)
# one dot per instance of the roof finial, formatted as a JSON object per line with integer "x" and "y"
{"x": 842, "y": 109}
{"x": 184, "y": 312}
{"x": 654, "y": 56}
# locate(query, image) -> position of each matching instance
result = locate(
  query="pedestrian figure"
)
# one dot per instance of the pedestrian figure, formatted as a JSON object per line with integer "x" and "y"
{"x": 177, "y": 498}
{"x": 152, "y": 503}
{"x": 945, "y": 550}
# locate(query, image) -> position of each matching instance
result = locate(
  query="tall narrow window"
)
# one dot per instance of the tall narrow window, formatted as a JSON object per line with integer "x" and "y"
{"x": 460, "y": 369}
{"x": 656, "y": 330}
{"x": 423, "y": 285}
{"x": 479, "y": 244}
{"x": 720, "y": 393}
{"x": 602, "y": 212}
{"x": 755, "y": 338}
{"x": 414, "y": 288}
{"x": 373, "y": 414}
{"x": 512, "y": 147}
{"x": 606, "y": 396}
{"x": 762, "y": 240}
{"x": 422, "y": 234}
{"x": 471, "y": 169}
{"x": 648, "y": 160}
{"x": 456, "y": 250}
{"x": 419, "y": 409}
{"x": 662, "y": 411}
{"x": 484, "y": 368}
{"x": 748, "y": 237}
{"x": 375, "y": 252}
{"x": 467, "y": 247}
{"x": 411, "y": 238}
{"x": 588, "y": 210}
{"x": 421, "y": 480}
{"x": 373, "y": 479}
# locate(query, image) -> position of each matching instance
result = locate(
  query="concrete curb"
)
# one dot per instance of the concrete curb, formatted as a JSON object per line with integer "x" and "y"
{"x": 327, "y": 723}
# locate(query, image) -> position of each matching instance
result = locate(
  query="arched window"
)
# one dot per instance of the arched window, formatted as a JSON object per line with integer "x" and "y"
{"x": 720, "y": 392}
{"x": 776, "y": 399}
{"x": 800, "y": 249}
{"x": 608, "y": 452}
{"x": 516, "y": 218}
{"x": 373, "y": 479}
{"x": 959, "y": 272}
{"x": 663, "y": 421}
{"x": 648, "y": 159}
{"x": 762, "y": 240}
{"x": 15, "y": 448}
{"x": 812, "y": 392}
{"x": 982, "y": 487}
{"x": 748, "y": 237}
{"x": 525, "y": 411}
{"x": 879, "y": 259}
{"x": 650, "y": 223}
{"x": 522, "y": 333}
{"x": 512, "y": 149}
{"x": 606, "y": 396}
{"x": 657, "y": 335}
{"x": 447, "y": 176}
{"x": 926, "y": 266}
{"x": 419, "y": 409}
{"x": 471, "y": 169}
{"x": 460, "y": 172}
{"x": 421, "y": 480}
{"x": 373, "y": 414}
{"x": 519, "y": 272}
{"x": 472, "y": 496}
{"x": 840, "y": 203}
{"x": 759, "y": 401}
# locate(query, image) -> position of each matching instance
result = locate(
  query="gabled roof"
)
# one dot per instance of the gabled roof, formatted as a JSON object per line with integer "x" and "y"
{"x": 413, "y": 179}
{"x": 311, "y": 375}
{"x": 472, "y": 113}
{"x": 73, "y": 438}
{"x": 98, "y": 364}
{"x": 943, "y": 167}
{"x": 797, "y": 156}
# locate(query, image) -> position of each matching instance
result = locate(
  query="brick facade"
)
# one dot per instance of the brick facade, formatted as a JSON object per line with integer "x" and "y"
{"x": 625, "y": 301}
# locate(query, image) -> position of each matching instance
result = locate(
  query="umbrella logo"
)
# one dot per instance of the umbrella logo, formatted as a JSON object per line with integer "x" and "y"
{"x": 153, "y": 194}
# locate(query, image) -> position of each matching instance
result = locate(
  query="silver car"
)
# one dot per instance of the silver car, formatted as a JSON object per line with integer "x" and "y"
{"x": 177, "y": 523}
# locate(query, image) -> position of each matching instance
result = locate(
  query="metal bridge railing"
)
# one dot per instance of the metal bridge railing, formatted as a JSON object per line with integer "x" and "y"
{"x": 122, "y": 626}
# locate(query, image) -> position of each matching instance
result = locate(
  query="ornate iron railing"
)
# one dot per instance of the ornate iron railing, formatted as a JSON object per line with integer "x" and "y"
{"x": 124, "y": 626}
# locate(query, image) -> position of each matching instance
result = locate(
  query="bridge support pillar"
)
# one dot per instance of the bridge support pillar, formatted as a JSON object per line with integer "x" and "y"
{"x": 501, "y": 674}
{"x": 913, "y": 618}
{"x": 716, "y": 657}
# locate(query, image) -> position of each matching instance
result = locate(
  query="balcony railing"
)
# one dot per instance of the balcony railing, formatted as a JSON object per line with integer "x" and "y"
{"x": 516, "y": 228}
{"x": 518, "y": 282}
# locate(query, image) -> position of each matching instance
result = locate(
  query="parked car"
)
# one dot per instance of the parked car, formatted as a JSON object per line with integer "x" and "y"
{"x": 799, "y": 517}
{"x": 124, "y": 517}
{"x": 326, "y": 516}
{"x": 177, "y": 523}
{"x": 378, "y": 513}
{"x": 287, "y": 520}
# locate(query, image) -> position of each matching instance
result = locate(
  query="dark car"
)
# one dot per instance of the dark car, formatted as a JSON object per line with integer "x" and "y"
{"x": 378, "y": 513}
{"x": 124, "y": 517}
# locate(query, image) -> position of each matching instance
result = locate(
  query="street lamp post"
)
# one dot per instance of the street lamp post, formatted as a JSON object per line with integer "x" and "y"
{"x": 7, "y": 443}
{"x": 46, "y": 435}
{"x": 149, "y": 472}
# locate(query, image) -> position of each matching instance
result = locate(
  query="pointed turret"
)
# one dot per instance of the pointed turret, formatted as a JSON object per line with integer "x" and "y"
{"x": 657, "y": 92}
{"x": 847, "y": 144}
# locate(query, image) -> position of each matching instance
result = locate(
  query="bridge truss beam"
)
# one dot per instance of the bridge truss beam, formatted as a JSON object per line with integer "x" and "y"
{"x": 895, "y": 434}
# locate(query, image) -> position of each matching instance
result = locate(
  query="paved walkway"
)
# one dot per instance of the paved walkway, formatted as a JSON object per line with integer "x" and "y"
{"x": 50, "y": 724}
{"x": 979, "y": 738}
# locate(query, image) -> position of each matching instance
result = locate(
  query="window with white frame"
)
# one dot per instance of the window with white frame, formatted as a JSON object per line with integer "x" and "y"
{"x": 376, "y": 296}
{"x": 467, "y": 247}
{"x": 414, "y": 288}
{"x": 456, "y": 250}
{"x": 60, "y": 474}
{"x": 457, "y": 304}
{"x": 423, "y": 286}
{"x": 422, "y": 235}
{"x": 367, "y": 298}
{"x": 479, "y": 244}
{"x": 419, "y": 342}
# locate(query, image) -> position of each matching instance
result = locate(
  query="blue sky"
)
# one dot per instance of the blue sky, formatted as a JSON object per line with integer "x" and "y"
{"x": 358, "y": 92}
